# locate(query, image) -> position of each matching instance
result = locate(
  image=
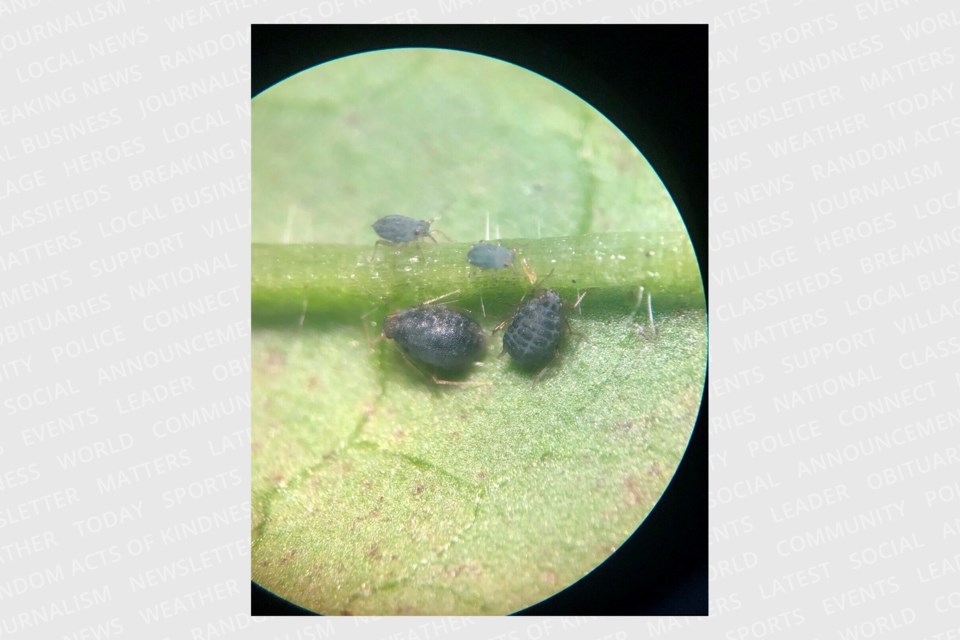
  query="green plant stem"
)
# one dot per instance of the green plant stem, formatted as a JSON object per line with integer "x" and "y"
{"x": 341, "y": 282}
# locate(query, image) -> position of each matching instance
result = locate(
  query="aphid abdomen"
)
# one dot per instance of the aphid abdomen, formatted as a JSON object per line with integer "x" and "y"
{"x": 436, "y": 336}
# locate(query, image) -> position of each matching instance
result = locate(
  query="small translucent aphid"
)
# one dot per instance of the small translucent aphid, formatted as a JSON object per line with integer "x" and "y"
{"x": 436, "y": 336}
{"x": 400, "y": 230}
{"x": 485, "y": 255}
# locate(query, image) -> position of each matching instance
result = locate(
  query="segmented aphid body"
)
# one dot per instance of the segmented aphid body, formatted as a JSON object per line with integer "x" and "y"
{"x": 535, "y": 330}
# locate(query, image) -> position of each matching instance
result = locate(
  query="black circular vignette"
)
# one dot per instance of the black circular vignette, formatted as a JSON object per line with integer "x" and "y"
{"x": 651, "y": 82}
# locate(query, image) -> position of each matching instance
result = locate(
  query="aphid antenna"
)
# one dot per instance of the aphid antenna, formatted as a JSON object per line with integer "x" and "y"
{"x": 434, "y": 219}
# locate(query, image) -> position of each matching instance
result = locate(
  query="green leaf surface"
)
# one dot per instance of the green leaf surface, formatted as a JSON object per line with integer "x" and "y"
{"x": 376, "y": 491}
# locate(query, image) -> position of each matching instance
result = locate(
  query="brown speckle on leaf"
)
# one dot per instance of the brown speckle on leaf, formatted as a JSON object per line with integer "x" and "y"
{"x": 633, "y": 492}
{"x": 468, "y": 569}
{"x": 276, "y": 362}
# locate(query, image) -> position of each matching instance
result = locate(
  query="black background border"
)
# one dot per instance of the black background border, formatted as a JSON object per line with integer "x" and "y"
{"x": 651, "y": 82}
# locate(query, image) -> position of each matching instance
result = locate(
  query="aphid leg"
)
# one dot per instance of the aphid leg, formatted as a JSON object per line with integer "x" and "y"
{"x": 576, "y": 305}
{"x": 436, "y": 380}
{"x": 570, "y": 331}
{"x": 540, "y": 373}
{"x": 461, "y": 383}
{"x": 482, "y": 308}
{"x": 303, "y": 314}
{"x": 500, "y": 326}
{"x": 442, "y": 234}
{"x": 376, "y": 245}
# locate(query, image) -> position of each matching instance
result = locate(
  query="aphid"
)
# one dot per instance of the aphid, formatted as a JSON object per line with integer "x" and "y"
{"x": 536, "y": 328}
{"x": 400, "y": 230}
{"x": 534, "y": 332}
{"x": 485, "y": 255}
{"x": 437, "y": 336}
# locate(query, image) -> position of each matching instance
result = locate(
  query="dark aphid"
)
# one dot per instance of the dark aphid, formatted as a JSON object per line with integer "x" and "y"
{"x": 400, "y": 230}
{"x": 485, "y": 255}
{"x": 435, "y": 335}
{"x": 535, "y": 331}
